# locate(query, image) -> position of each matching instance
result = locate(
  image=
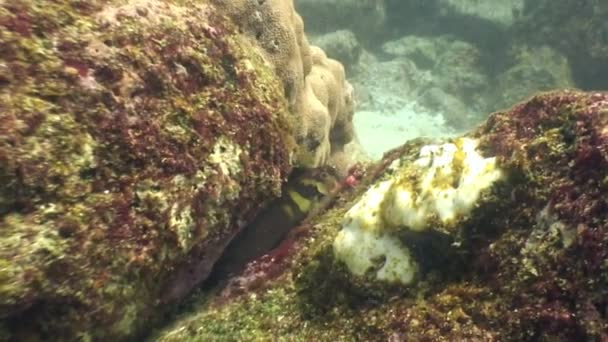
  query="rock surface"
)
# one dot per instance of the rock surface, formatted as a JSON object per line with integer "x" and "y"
{"x": 576, "y": 29}
{"x": 136, "y": 139}
{"x": 529, "y": 262}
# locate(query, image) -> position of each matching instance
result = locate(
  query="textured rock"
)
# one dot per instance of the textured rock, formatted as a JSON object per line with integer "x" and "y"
{"x": 320, "y": 98}
{"x": 576, "y": 29}
{"x": 454, "y": 64}
{"x": 531, "y": 263}
{"x": 136, "y": 138}
{"x": 502, "y": 13}
{"x": 448, "y": 77}
{"x": 453, "y": 109}
{"x": 366, "y": 18}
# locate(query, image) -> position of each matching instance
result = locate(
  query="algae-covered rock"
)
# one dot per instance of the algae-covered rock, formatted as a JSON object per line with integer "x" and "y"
{"x": 527, "y": 260}
{"x": 534, "y": 69}
{"x": 341, "y": 45}
{"x": 136, "y": 138}
{"x": 577, "y": 29}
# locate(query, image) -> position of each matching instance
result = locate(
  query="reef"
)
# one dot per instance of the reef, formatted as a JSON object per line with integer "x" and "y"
{"x": 518, "y": 252}
{"x": 136, "y": 139}
{"x": 576, "y": 29}
{"x": 319, "y": 97}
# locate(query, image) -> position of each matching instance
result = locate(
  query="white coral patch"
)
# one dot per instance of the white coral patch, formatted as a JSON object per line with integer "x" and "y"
{"x": 444, "y": 183}
{"x": 365, "y": 249}
{"x": 452, "y": 177}
{"x": 365, "y": 214}
{"x": 378, "y": 254}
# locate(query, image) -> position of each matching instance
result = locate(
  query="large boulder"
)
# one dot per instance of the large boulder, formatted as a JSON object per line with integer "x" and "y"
{"x": 136, "y": 139}
{"x": 501, "y": 234}
{"x": 577, "y": 29}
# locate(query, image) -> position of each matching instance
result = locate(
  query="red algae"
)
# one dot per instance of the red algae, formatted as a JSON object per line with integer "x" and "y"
{"x": 134, "y": 140}
{"x": 533, "y": 267}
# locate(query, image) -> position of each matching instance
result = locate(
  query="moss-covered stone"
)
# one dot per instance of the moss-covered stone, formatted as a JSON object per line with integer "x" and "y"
{"x": 576, "y": 29}
{"x": 136, "y": 137}
{"x": 531, "y": 265}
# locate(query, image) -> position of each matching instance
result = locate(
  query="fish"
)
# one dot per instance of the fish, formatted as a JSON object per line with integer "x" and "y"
{"x": 300, "y": 195}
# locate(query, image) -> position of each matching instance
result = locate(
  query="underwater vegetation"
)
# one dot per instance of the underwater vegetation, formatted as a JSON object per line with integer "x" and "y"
{"x": 524, "y": 258}
{"x": 136, "y": 139}
{"x": 133, "y": 140}
{"x": 139, "y": 138}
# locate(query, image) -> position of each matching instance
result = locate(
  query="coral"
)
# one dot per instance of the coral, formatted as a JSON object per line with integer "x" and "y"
{"x": 576, "y": 29}
{"x": 136, "y": 138}
{"x": 320, "y": 98}
{"x": 436, "y": 191}
{"x": 279, "y": 32}
{"x": 529, "y": 264}
{"x": 326, "y": 109}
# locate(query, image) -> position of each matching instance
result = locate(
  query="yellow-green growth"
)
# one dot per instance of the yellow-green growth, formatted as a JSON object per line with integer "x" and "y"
{"x": 439, "y": 188}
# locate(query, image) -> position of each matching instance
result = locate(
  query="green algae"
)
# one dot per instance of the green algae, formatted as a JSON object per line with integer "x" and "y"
{"x": 519, "y": 278}
{"x": 109, "y": 114}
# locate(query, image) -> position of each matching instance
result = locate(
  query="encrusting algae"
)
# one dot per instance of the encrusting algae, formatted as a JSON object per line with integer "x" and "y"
{"x": 528, "y": 262}
{"x": 138, "y": 137}
{"x": 135, "y": 137}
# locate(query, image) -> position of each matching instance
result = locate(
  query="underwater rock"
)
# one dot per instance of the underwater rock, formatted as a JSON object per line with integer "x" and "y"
{"x": 365, "y": 18}
{"x": 534, "y": 69}
{"x": 577, "y": 29}
{"x": 136, "y": 139}
{"x": 455, "y": 78}
{"x": 341, "y": 45}
{"x": 482, "y": 13}
{"x": 320, "y": 99}
{"x": 437, "y": 191}
{"x": 529, "y": 261}
{"x": 385, "y": 86}
{"x": 454, "y": 64}
{"x": 389, "y": 103}
{"x": 502, "y": 13}
{"x": 452, "y": 109}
